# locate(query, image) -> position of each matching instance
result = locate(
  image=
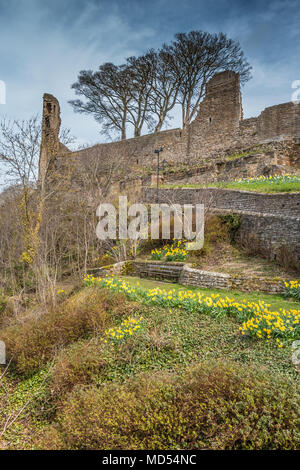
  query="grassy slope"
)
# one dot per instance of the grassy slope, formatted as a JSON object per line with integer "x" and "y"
{"x": 261, "y": 186}
{"x": 169, "y": 340}
{"x": 276, "y": 301}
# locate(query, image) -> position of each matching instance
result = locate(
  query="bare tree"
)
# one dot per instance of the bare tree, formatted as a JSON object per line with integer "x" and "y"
{"x": 142, "y": 71}
{"x": 144, "y": 90}
{"x": 165, "y": 86}
{"x": 194, "y": 58}
{"x": 107, "y": 93}
{"x": 19, "y": 150}
{"x": 19, "y": 156}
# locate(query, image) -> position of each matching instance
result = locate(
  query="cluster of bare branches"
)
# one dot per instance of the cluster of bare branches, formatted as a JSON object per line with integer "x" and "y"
{"x": 47, "y": 231}
{"x": 143, "y": 91}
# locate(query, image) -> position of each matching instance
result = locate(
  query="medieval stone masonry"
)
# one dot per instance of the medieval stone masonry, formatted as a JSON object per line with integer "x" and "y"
{"x": 218, "y": 145}
{"x": 218, "y": 129}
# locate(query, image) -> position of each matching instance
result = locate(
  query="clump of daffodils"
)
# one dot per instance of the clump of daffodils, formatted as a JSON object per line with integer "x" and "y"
{"x": 292, "y": 289}
{"x": 127, "y": 328}
{"x": 257, "y": 319}
{"x": 174, "y": 252}
{"x": 282, "y": 324}
{"x": 157, "y": 254}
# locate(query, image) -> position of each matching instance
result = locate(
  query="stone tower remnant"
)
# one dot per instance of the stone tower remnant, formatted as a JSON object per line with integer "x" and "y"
{"x": 50, "y": 144}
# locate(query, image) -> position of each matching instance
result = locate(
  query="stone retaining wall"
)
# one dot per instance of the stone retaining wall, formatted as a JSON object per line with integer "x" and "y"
{"x": 187, "y": 276}
{"x": 287, "y": 204}
{"x": 158, "y": 270}
{"x": 275, "y": 237}
{"x": 270, "y": 223}
{"x": 196, "y": 277}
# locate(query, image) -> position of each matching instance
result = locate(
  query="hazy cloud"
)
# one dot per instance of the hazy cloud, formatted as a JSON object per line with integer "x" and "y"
{"x": 44, "y": 46}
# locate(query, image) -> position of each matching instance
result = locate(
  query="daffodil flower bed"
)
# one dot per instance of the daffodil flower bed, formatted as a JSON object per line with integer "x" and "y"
{"x": 120, "y": 333}
{"x": 292, "y": 289}
{"x": 257, "y": 319}
{"x": 272, "y": 179}
{"x": 174, "y": 252}
{"x": 274, "y": 183}
{"x": 157, "y": 254}
{"x": 265, "y": 184}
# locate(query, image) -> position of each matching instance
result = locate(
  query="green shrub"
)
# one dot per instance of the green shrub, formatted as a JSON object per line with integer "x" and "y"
{"x": 212, "y": 406}
{"x": 229, "y": 408}
{"x": 34, "y": 342}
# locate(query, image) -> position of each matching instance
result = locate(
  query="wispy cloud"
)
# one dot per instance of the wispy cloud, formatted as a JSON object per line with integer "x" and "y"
{"x": 44, "y": 45}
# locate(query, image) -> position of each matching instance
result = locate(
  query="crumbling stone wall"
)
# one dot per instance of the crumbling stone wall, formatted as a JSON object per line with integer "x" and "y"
{"x": 216, "y": 126}
{"x": 217, "y": 130}
{"x": 266, "y": 159}
{"x": 280, "y": 120}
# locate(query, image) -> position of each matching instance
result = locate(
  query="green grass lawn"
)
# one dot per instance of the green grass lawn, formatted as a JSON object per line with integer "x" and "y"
{"x": 281, "y": 184}
{"x": 276, "y": 301}
{"x": 169, "y": 341}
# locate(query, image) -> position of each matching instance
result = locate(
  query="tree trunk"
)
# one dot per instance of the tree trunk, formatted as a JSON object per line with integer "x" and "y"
{"x": 124, "y": 125}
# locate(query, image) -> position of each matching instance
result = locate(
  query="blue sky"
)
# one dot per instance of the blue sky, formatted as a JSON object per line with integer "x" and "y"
{"x": 45, "y": 44}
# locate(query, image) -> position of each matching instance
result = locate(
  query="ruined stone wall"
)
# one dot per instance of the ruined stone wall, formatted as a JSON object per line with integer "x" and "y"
{"x": 216, "y": 126}
{"x": 266, "y": 159}
{"x": 138, "y": 152}
{"x": 217, "y": 130}
{"x": 219, "y": 127}
{"x": 287, "y": 204}
{"x": 278, "y": 121}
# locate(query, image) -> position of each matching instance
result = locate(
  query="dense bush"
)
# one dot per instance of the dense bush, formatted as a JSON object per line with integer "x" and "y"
{"x": 215, "y": 406}
{"x": 76, "y": 365}
{"x": 35, "y": 341}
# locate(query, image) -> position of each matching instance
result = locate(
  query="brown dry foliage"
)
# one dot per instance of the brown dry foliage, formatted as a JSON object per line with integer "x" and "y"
{"x": 36, "y": 340}
{"x": 212, "y": 406}
{"x": 76, "y": 365}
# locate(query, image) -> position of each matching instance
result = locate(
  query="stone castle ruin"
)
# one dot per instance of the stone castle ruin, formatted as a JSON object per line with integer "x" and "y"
{"x": 218, "y": 145}
{"x": 218, "y": 130}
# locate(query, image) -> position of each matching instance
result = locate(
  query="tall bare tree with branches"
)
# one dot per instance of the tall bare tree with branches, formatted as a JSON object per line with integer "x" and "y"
{"x": 194, "y": 58}
{"x": 19, "y": 156}
{"x": 108, "y": 94}
{"x": 142, "y": 92}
